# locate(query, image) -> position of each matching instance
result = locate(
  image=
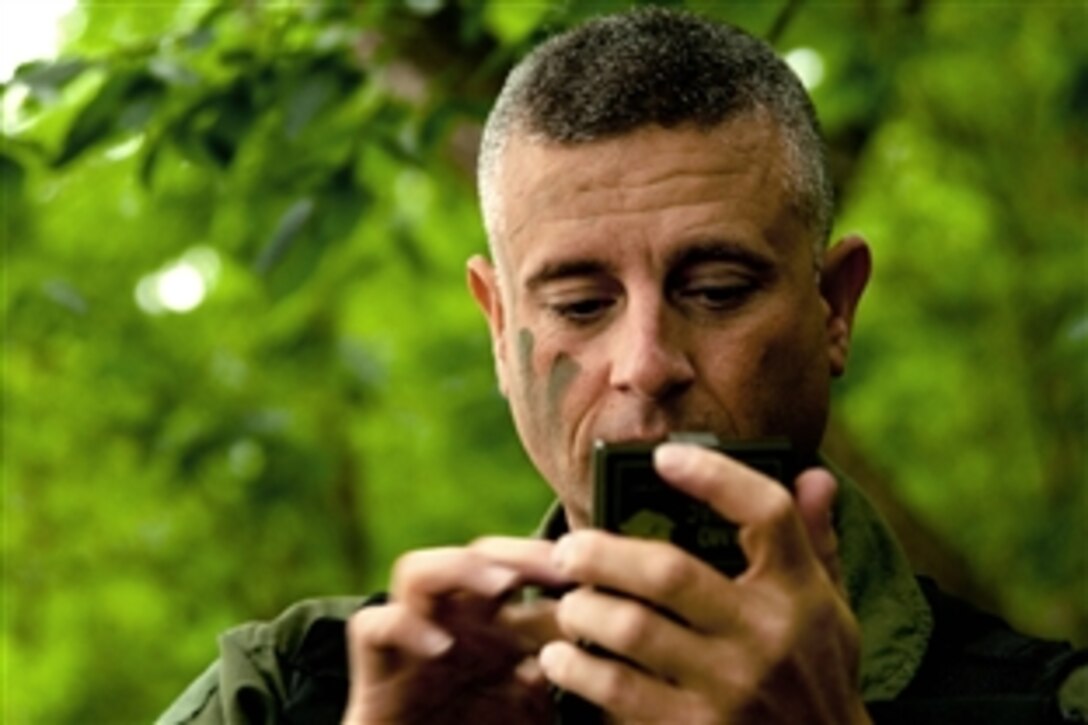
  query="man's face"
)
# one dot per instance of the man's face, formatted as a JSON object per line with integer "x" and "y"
{"x": 653, "y": 283}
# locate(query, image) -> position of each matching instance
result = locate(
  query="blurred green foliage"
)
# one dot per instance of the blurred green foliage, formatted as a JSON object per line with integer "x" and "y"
{"x": 330, "y": 402}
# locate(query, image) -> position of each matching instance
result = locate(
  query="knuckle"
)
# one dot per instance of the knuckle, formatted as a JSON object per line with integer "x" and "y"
{"x": 573, "y": 611}
{"x": 365, "y": 626}
{"x": 487, "y": 543}
{"x": 759, "y": 675}
{"x": 566, "y": 610}
{"x": 417, "y": 564}
{"x": 778, "y": 648}
{"x": 404, "y": 569}
{"x": 632, "y": 626}
{"x": 358, "y": 626}
{"x": 779, "y": 507}
{"x": 582, "y": 558}
{"x": 698, "y": 708}
{"x": 480, "y": 542}
{"x": 669, "y": 574}
{"x": 613, "y": 688}
{"x": 565, "y": 666}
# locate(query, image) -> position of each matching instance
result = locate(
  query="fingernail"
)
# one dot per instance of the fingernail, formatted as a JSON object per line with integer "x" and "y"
{"x": 670, "y": 458}
{"x": 436, "y": 642}
{"x": 549, "y": 656}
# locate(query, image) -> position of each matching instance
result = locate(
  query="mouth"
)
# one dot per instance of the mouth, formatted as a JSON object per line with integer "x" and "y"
{"x": 635, "y": 438}
{"x": 702, "y": 437}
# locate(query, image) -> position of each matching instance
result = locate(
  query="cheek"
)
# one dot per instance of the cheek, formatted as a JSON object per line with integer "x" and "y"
{"x": 795, "y": 341}
{"x": 767, "y": 370}
{"x": 794, "y": 377}
{"x": 794, "y": 353}
{"x": 542, "y": 394}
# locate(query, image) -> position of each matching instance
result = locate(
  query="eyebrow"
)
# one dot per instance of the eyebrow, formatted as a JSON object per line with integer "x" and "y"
{"x": 719, "y": 250}
{"x": 566, "y": 269}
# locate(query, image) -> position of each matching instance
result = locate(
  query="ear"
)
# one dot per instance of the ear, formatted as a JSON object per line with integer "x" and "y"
{"x": 846, "y": 271}
{"x": 483, "y": 284}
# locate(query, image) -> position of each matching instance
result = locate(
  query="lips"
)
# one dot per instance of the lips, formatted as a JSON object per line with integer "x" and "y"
{"x": 629, "y": 436}
{"x": 642, "y": 433}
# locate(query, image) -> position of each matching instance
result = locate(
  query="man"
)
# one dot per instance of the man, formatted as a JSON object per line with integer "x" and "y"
{"x": 658, "y": 210}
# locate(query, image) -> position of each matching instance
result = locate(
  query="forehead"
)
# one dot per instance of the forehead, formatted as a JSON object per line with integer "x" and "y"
{"x": 655, "y": 185}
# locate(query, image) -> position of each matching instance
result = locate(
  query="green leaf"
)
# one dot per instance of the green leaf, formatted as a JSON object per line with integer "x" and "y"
{"x": 514, "y": 22}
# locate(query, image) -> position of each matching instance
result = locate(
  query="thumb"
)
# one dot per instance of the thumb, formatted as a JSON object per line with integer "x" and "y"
{"x": 815, "y": 495}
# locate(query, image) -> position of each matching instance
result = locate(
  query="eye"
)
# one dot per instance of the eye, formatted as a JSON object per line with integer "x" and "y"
{"x": 582, "y": 310}
{"x": 717, "y": 297}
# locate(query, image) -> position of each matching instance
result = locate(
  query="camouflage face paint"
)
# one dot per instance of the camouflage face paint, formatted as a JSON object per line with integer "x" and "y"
{"x": 564, "y": 371}
{"x": 545, "y": 403}
{"x": 525, "y": 355}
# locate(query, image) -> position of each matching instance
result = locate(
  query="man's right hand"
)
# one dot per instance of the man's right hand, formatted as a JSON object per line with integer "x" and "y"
{"x": 452, "y": 644}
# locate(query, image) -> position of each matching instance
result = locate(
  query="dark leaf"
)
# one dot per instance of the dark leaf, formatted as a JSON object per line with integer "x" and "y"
{"x": 152, "y": 151}
{"x": 232, "y": 120}
{"x": 312, "y": 95}
{"x": 339, "y": 211}
{"x": 305, "y": 232}
{"x": 172, "y": 72}
{"x": 125, "y": 102}
{"x": 284, "y": 236}
{"x": 437, "y": 124}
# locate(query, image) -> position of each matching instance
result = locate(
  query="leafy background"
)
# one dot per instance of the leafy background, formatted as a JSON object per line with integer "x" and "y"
{"x": 330, "y": 402}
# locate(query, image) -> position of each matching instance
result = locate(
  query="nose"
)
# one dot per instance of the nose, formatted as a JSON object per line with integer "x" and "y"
{"x": 649, "y": 355}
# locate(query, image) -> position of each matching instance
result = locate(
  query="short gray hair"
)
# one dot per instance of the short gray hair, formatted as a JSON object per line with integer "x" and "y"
{"x": 619, "y": 73}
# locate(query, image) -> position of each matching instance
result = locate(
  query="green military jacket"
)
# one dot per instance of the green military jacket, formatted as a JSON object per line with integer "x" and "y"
{"x": 926, "y": 657}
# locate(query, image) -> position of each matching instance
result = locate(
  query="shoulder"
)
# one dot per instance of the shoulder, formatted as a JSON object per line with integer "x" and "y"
{"x": 978, "y": 669}
{"x": 278, "y": 670}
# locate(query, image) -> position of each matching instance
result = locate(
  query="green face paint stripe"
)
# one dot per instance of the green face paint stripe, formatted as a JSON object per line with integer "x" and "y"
{"x": 562, "y": 374}
{"x": 525, "y": 354}
{"x": 532, "y": 391}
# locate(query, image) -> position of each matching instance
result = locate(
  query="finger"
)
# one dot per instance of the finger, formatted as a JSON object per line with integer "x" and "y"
{"x": 420, "y": 577}
{"x": 653, "y": 571}
{"x": 377, "y": 635}
{"x": 771, "y": 533}
{"x": 535, "y": 701}
{"x": 529, "y": 673}
{"x": 815, "y": 494}
{"x": 633, "y": 630}
{"x": 531, "y": 558}
{"x": 619, "y": 689}
{"x": 532, "y": 623}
